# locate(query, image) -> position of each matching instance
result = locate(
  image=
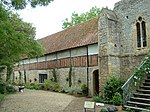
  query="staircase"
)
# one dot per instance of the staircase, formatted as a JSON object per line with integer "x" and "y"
{"x": 140, "y": 101}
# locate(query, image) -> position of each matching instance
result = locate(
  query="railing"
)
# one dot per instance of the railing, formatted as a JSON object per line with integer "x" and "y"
{"x": 135, "y": 80}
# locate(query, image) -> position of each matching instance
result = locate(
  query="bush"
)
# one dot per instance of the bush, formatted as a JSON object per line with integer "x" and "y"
{"x": 34, "y": 86}
{"x": 2, "y": 87}
{"x": 98, "y": 98}
{"x": 117, "y": 99}
{"x": 84, "y": 89}
{"x": 112, "y": 86}
{"x": 6, "y": 88}
{"x": 47, "y": 85}
{"x": 104, "y": 110}
{"x": 69, "y": 90}
{"x": 10, "y": 89}
{"x": 1, "y": 97}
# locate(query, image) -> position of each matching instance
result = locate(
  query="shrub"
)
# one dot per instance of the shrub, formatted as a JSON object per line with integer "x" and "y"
{"x": 1, "y": 97}
{"x": 104, "y": 110}
{"x": 84, "y": 89}
{"x": 117, "y": 99}
{"x": 69, "y": 90}
{"x": 10, "y": 89}
{"x": 56, "y": 87}
{"x": 98, "y": 98}
{"x": 112, "y": 86}
{"x": 34, "y": 86}
{"x": 6, "y": 88}
{"x": 47, "y": 85}
{"x": 2, "y": 87}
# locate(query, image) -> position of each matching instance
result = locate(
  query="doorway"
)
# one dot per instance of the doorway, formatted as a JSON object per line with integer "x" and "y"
{"x": 95, "y": 82}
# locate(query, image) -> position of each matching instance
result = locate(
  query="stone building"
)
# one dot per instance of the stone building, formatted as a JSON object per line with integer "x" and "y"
{"x": 113, "y": 43}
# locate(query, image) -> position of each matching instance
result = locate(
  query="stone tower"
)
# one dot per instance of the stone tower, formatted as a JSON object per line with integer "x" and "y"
{"x": 123, "y": 38}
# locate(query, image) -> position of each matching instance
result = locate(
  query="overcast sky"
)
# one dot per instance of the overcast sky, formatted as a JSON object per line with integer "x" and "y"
{"x": 48, "y": 20}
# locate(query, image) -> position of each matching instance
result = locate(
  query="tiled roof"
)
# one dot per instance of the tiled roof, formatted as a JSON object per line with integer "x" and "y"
{"x": 76, "y": 36}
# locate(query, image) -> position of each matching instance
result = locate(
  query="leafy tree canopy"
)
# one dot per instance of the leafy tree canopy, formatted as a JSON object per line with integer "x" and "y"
{"x": 21, "y": 4}
{"x": 76, "y": 18}
{"x": 16, "y": 38}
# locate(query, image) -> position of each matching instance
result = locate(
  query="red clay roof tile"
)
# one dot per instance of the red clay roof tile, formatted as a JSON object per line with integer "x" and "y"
{"x": 76, "y": 36}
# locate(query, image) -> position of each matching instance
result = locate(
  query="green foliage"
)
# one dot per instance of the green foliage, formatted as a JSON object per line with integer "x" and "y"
{"x": 6, "y": 88}
{"x": 69, "y": 90}
{"x": 104, "y": 110}
{"x": 98, "y": 98}
{"x": 10, "y": 89}
{"x": 34, "y": 86}
{"x": 3, "y": 86}
{"x": 84, "y": 89}
{"x": 16, "y": 39}
{"x": 117, "y": 99}
{"x": 47, "y": 84}
{"x": 54, "y": 75}
{"x": 21, "y": 4}
{"x": 76, "y": 18}
{"x": 69, "y": 76}
{"x": 1, "y": 98}
{"x": 112, "y": 86}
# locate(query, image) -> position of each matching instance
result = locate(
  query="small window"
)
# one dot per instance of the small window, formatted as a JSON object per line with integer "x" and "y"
{"x": 141, "y": 33}
{"x": 42, "y": 77}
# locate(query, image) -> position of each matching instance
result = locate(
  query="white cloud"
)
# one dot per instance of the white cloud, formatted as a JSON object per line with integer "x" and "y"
{"x": 48, "y": 20}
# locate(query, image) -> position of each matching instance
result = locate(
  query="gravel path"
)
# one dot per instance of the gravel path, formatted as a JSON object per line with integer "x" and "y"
{"x": 36, "y": 101}
{"x": 44, "y": 101}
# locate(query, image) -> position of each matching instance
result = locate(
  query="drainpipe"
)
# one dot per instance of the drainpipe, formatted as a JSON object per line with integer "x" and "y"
{"x": 87, "y": 69}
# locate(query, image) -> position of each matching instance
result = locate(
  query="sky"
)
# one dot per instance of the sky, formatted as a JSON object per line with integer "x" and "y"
{"x": 48, "y": 20}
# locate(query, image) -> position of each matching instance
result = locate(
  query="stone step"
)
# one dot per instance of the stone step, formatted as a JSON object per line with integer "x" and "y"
{"x": 146, "y": 83}
{"x": 137, "y": 108}
{"x": 141, "y": 95}
{"x": 148, "y": 77}
{"x": 141, "y": 100}
{"x": 144, "y": 91}
{"x": 145, "y": 87}
{"x": 138, "y": 103}
{"x": 147, "y": 80}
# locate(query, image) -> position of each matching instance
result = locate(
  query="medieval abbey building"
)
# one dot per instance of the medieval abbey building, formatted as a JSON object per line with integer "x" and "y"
{"x": 113, "y": 43}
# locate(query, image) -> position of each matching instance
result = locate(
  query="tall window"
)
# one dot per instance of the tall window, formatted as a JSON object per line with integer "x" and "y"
{"x": 42, "y": 77}
{"x": 141, "y": 33}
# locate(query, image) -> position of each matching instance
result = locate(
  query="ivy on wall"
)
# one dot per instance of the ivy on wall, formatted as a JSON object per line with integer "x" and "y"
{"x": 69, "y": 76}
{"x": 54, "y": 75}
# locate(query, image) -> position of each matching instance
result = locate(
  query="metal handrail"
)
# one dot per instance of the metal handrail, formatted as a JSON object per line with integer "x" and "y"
{"x": 130, "y": 85}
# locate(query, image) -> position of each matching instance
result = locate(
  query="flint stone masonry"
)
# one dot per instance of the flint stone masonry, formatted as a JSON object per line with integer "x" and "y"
{"x": 117, "y": 38}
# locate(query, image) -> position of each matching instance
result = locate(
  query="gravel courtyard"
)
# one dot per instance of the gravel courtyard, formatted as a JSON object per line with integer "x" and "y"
{"x": 36, "y": 101}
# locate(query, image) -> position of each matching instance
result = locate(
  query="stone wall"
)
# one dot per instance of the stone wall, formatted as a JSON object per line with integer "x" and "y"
{"x": 83, "y": 60}
{"x": 117, "y": 38}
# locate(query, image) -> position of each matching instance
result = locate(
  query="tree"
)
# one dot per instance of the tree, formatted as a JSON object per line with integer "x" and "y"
{"x": 76, "y": 18}
{"x": 17, "y": 39}
{"x": 21, "y": 4}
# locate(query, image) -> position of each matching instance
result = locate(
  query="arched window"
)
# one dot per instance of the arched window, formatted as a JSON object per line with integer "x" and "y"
{"x": 141, "y": 33}
{"x": 138, "y": 34}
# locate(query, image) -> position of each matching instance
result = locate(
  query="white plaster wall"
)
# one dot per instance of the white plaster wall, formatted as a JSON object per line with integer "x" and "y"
{"x": 81, "y": 51}
{"x": 51, "y": 57}
{"x": 34, "y": 60}
{"x": 41, "y": 59}
{"x": 63, "y": 54}
{"x": 93, "y": 49}
{"x": 27, "y": 61}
